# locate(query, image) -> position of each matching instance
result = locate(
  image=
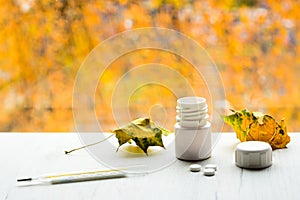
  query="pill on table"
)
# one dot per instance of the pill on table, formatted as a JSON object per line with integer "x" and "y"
{"x": 209, "y": 172}
{"x": 211, "y": 166}
{"x": 195, "y": 168}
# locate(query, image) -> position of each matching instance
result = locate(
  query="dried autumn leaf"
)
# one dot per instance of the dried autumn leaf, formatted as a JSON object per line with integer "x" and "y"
{"x": 257, "y": 126}
{"x": 143, "y": 131}
{"x": 240, "y": 122}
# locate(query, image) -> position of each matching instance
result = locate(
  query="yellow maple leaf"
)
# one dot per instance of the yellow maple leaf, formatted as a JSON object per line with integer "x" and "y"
{"x": 143, "y": 131}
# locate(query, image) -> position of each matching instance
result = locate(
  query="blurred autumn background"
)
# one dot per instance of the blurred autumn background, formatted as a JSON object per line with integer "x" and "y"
{"x": 255, "y": 45}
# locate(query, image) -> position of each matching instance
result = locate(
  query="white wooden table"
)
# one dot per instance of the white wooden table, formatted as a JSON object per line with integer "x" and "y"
{"x": 34, "y": 154}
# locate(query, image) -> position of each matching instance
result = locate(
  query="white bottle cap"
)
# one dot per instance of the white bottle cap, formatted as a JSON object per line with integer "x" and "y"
{"x": 253, "y": 155}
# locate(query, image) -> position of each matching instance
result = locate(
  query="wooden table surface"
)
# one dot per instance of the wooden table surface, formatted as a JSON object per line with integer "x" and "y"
{"x": 39, "y": 153}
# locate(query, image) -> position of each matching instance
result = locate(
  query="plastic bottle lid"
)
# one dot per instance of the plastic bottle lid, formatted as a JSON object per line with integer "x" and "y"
{"x": 253, "y": 155}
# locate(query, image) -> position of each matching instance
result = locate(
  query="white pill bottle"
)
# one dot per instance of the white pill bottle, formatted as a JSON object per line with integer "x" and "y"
{"x": 192, "y": 129}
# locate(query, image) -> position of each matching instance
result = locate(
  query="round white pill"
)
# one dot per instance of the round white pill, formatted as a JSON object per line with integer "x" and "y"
{"x": 209, "y": 172}
{"x": 195, "y": 168}
{"x": 211, "y": 166}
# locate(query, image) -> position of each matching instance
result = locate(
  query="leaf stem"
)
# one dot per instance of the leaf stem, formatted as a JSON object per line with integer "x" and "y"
{"x": 67, "y": 152}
